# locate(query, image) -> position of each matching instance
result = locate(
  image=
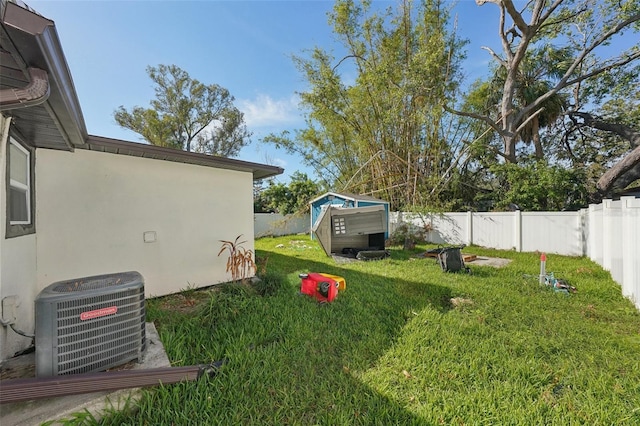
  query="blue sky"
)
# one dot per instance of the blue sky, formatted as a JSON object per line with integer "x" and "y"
{"x": 244, "y": 46}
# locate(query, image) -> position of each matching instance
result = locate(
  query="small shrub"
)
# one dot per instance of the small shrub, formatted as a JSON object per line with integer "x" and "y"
{"x": 408, "y": 234}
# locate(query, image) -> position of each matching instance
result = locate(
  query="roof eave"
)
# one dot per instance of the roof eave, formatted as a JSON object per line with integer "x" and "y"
{"x": 116, "y": 146}
{"x": 37, "y": 43}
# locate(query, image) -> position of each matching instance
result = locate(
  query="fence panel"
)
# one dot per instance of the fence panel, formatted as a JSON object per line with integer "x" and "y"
{"x": 612, "y": 238}
{"x": 275, "y": 224}
{"x": 495, "y": 230}
{"x": 596, "y": 243}
{"x": 449, "y": 228}
{"x": 552, "y": 232}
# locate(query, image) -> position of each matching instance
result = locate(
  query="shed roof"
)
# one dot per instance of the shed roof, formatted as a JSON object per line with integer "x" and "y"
{"x": 349, "y": 196}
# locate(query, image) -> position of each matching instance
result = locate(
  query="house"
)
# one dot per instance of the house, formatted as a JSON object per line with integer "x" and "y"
{"x": 342, "y": 220}
{"x": 76, "y": 205}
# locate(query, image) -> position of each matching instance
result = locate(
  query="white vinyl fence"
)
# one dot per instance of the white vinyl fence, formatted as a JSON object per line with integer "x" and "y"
{"x": 275, "y": 224}
{"x": 608, "y": 233}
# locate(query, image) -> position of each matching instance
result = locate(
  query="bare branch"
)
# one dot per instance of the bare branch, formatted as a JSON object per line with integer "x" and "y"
{"x": 495, "y": 56}
{"x": 624, "y": 131}
{"x": 484, "y": 118}
{"x": 348, "y": 57}
{"x": 551, "y": 9}
{"x": 524, "y": 123}
{"x": 580, "y": 58}
{"x": 621, "y": 62}
{"x": 569, "y": 18}
{"x": 564, "y": 82}
{"x": 516, "y": 16}
{"x": 506, "y": 46}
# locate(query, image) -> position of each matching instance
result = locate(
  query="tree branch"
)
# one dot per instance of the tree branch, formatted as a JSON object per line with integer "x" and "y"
{"x": 551, "y": 9}
{"x": 524, "y": 123}
{"x": 484, "y": 118}
{"x": 516, "y": 16}
{"x": 564, "y": 81}
{"x": 604, "y": 37}
{"x": 621, "y": 62}
{"x": 347, "y": 57}
{"x": 622, "y": 130}
{"x": 543, "y": 19}
{"x": 495, "y": 56}
{"x": 626, "y": 170}
{"x": 629, "y": 164}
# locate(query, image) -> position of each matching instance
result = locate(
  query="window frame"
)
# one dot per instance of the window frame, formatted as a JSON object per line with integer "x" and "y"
{"x": 16, "y": 228}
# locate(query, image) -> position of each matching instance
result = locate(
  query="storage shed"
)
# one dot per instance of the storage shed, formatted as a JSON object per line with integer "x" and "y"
{"x": 342, "y": 220}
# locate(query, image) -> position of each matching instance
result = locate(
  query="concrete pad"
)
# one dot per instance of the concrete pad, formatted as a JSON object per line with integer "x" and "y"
{"x": 474, "y": 260}
{"x": 39, "y": 411}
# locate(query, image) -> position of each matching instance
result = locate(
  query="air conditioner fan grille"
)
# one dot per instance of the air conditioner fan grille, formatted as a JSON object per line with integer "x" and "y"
{"x": 95, "y": 283}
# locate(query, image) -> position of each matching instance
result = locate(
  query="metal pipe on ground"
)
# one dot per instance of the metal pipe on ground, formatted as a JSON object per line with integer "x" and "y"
{"x": 19, "y": 390}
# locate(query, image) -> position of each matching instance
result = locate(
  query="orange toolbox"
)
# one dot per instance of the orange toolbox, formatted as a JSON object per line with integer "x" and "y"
{"x": 324, "y": 287}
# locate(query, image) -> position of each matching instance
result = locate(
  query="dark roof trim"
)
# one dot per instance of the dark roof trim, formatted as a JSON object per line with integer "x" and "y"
{"x": 35, "y": 93}
{"x": 115, "y": 146}
{"x": 36, "y": 41}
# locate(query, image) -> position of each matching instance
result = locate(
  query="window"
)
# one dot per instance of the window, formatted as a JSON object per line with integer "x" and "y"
{"x": 19, "y": 185}
{"x": 20, "y": 190}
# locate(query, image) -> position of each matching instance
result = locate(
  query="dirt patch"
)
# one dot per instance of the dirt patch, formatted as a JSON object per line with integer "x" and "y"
{"x": 460, "y": 302}
{"x": 472, "y": 259}
{"x": 496, "y": 262}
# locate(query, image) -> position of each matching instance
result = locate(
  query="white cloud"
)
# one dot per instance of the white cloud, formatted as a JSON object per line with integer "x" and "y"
{"x": 264, "y": 111}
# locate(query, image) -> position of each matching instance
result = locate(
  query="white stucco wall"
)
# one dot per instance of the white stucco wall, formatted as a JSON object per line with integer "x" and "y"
{"x": 17, "y": 270}
{"x": 94, "y": 208}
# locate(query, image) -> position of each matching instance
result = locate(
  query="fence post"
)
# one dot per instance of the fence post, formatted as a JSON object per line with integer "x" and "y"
{"x": 583, "y": 229}
{"x": 517, "y": 222}
{"x": 469, "y": 228}
{"x": 607, "y": 238}
{"x": 595, "y": 233}
{"x": 631, "y": 248}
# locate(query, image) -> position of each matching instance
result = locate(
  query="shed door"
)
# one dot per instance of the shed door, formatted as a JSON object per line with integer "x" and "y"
{"x": 322, "y": 229}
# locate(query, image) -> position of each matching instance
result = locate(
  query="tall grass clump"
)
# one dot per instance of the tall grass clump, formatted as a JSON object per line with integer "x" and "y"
{"x": 269, "y": 284}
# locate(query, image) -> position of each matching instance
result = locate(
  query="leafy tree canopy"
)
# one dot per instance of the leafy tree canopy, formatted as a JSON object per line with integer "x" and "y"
{"x": 554, "y": 85}
{"x": 187, "y": 114}
{"x": 287, "y": 199}
{"x": 375, "y": 123}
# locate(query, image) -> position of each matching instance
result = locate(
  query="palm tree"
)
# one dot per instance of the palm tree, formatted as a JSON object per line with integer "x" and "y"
{"x": 535, "y": 77}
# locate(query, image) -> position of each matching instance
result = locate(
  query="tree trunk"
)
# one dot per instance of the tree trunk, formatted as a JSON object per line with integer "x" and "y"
{"x": 535, "y": 137}
{"x": 625, "y": 171}
{"x": 622, "y": 174}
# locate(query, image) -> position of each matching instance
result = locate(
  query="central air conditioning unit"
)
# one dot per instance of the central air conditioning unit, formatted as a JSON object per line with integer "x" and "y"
{"x": 90, "y": 324}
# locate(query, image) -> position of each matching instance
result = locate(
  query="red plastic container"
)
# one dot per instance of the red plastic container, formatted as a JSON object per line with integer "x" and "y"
{"x": 323, "y": 288}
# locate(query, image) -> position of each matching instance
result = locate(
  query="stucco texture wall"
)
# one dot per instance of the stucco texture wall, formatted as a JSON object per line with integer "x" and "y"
{"x": 95, "y": 209}
{"x": 17, "y": 270}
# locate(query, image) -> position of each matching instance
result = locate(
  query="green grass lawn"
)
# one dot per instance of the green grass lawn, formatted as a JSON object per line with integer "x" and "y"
{"x": 405, "y": 343}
